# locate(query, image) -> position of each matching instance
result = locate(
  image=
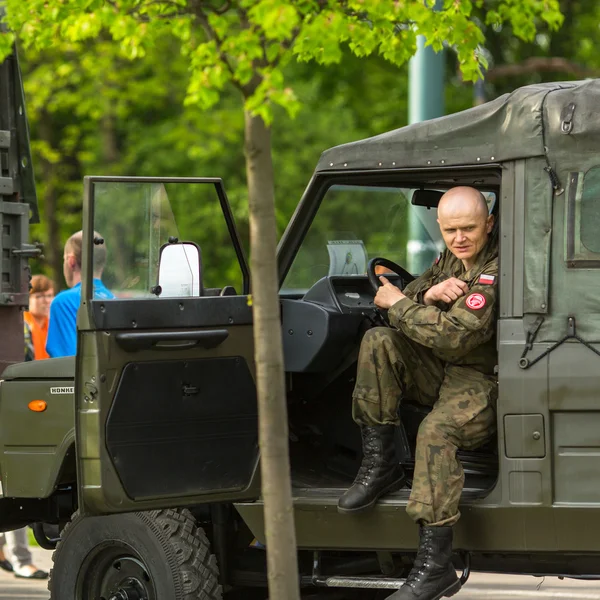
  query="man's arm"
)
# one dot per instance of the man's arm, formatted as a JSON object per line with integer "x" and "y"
{"x": 416, "y": 289}
{"x": 469, "y": 322}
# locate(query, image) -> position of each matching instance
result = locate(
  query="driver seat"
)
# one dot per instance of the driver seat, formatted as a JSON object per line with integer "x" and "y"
{"x": 480, "y": 465}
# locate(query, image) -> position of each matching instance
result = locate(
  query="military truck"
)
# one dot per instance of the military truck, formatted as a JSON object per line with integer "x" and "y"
{"x": 143, "y": 449}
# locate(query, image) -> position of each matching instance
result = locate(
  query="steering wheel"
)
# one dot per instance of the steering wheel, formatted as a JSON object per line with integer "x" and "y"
{"x": 405, "y": 276}
{"x": 405, "y": 279}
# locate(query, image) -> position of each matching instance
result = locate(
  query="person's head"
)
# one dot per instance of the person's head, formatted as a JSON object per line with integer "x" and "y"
{"x": 465, "y": 223}
{"x": 40, "y": 296}
{"x": 72, "y": 258}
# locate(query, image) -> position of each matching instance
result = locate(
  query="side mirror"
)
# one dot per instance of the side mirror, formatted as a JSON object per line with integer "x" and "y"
{"x": 179, "y": 270}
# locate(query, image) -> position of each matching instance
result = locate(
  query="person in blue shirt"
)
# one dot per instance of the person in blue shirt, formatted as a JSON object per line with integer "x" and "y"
{"x": 62, "y": 328}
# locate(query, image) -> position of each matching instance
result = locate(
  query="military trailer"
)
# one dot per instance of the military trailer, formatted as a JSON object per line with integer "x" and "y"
{"x": 146, "y": 453}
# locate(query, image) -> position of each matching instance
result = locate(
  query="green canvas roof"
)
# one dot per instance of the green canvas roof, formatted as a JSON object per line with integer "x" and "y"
{"x": 513, "y": 126}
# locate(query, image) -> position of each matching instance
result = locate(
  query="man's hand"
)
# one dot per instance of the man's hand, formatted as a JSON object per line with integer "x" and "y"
{"x": 448, "y": 291}
{"x": 387, "y": 295}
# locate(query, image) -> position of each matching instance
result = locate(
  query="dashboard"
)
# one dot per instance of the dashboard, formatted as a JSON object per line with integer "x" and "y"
{"x": 320, "y": 328}
{"x": 344, "y": 293}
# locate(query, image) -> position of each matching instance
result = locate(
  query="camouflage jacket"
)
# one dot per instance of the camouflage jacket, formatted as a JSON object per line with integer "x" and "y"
{"x": 463, "y": 333}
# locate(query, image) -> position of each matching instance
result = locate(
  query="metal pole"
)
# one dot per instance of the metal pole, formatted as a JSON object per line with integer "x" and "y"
{"x": 426, "y": 83}
{"x": 426, "y": 101}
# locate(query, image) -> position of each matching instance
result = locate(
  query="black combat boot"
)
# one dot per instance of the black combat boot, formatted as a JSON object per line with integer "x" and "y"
{"x": 432, "y": 576}
{"x": 379, "y": 472}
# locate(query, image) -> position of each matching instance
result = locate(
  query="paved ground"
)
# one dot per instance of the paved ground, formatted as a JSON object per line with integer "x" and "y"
{"x": 505, "y": 587}
{"x": 481, "y": 586}
{"x": 12, "y": 588}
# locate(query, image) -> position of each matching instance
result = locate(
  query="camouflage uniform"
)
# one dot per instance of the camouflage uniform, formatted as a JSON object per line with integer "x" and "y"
{"x": 441, "y": 356}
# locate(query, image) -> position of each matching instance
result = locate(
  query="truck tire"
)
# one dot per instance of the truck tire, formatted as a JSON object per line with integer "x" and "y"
{"x": 153, "y": 555}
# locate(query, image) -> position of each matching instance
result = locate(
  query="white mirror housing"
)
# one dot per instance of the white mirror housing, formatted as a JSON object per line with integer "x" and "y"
{"x": 179, "y": 270}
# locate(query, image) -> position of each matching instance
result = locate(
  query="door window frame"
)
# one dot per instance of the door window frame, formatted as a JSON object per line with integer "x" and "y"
{"x": 87, "y": 287}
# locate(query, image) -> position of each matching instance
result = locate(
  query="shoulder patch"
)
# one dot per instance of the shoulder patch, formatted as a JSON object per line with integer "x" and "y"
{"x": 486, "y": 279}
{"x": 475, "y": 301}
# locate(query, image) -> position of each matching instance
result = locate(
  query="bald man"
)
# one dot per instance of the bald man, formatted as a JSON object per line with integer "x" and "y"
{"x": 440, "y": 352}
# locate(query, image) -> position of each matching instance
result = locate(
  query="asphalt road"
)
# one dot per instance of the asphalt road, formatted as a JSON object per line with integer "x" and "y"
{"x": 481, "y": 586}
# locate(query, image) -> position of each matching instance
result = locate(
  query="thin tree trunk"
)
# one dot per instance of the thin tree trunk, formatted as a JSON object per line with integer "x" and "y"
{"x": 53, "y": 249}
{"x": 282, "y": 558}
{"x": 110, "y": 150}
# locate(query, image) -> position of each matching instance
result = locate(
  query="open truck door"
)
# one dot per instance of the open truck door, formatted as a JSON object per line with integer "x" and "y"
{"x": 166, "y": 411}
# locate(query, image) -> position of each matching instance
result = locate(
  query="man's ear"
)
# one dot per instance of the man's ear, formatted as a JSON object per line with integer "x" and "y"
{"x": 490, "y": 223}
{"x": 72, "y": 262}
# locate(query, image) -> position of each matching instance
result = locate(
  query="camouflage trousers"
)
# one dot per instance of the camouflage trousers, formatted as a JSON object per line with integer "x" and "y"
{"x": 392, "y": 367}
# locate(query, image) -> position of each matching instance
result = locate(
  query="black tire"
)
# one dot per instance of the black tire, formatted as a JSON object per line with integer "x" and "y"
{"x": 159, "y": 555}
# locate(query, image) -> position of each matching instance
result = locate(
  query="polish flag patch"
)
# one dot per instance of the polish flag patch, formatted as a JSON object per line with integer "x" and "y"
{"x": 475, "y": 301}
{"x": 487, "y": 279}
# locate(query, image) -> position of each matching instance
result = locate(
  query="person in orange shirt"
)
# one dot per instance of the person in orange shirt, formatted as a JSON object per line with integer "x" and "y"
{"x": 36, "y": 319}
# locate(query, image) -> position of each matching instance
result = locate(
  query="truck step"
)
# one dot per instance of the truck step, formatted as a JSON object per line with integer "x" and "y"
{"x": 368, "y": 582}
{"x": 358, "y": 582}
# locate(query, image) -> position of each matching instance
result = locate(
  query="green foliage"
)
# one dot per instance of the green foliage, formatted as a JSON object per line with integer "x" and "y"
{"x": 155, "y": 136}
{"x": 95, "y": 110}
{"x": 7, "y": 39}
{"x": 248, "y": 43}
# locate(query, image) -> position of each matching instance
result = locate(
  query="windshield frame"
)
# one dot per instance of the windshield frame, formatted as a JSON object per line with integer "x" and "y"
{"x": 88, "y": 222}
{"x": 488, "y": 176}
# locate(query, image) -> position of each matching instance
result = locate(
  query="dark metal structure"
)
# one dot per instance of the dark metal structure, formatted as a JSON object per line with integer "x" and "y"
{"x": 18, "y": 208}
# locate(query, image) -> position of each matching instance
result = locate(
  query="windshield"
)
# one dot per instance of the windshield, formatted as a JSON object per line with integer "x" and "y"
{"x": 356, "y": 223}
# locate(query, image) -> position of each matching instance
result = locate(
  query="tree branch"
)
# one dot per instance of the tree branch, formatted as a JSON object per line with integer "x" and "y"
{"x": 286, "y": 45}
{"x": 249, "y": 88}
{"x": 217, "y": 11}
{"x": 536, "y": 64}
{"x": 198, "y": 10}
{"x": 173, "y": 15}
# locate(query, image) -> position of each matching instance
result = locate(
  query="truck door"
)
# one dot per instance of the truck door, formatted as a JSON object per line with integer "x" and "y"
{"x": 166, "y": 411}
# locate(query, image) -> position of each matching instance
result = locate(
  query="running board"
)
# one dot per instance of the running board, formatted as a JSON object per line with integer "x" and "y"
{"x": 358, "y": 582}
{"x": 385, "y": 583}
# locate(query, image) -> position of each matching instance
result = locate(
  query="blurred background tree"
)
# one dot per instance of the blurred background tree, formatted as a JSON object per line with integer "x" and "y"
{"x": 115, "y": 117}
{"x": 94, "y": 112}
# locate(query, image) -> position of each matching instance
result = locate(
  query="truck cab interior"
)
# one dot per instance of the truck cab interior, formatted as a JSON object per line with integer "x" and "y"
{"x": 327, "y": 305}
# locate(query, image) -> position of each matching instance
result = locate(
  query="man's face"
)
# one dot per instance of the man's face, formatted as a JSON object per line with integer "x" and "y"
{"x": 465, "y": 230}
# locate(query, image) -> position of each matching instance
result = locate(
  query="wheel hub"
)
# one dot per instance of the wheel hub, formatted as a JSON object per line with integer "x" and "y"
{"x": 116, "y": 573}
{"x": 132, "y": 589}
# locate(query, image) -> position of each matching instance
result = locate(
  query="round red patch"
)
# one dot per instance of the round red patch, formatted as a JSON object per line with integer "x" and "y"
{"x": 476, "y": 301}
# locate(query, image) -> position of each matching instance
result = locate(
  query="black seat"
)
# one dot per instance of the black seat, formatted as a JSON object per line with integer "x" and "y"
{"x": 227, "y": 290}
{"x": 482, "y": 462}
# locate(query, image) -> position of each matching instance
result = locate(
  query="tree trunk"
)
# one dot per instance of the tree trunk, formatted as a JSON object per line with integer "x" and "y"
{"x": 282, "y": 559}
{"x": 53, "y": 249}
{"x": 110, "y": 150}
